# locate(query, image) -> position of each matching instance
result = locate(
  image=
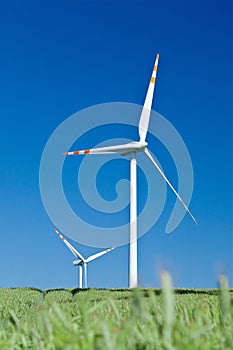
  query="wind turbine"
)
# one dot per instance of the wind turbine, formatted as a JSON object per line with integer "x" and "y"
{"x": 81, "y": 262}
{"x": 131, "y": 149}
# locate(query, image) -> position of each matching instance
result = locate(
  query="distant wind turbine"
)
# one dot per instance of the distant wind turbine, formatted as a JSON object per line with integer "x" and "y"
{"x": 81, "y": 262}
{"x": 131, "y": 149}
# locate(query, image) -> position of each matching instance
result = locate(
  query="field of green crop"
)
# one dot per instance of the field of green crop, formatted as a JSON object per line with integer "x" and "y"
{"x": 137, "y": 319}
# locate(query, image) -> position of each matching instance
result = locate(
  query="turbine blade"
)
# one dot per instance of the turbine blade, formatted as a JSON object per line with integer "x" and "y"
{"x": 71, "y": 248}
{"x": 145, "y": 115}
{"x": 95, "y": 256}
{"x": 168, "y": 182}
{"x": 118, "y": 149}
{"x": 101, "y": 150}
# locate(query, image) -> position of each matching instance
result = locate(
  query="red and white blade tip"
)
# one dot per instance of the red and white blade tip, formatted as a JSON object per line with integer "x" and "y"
{"x": 58, "y": 233}
{"x": 85, "y": 151}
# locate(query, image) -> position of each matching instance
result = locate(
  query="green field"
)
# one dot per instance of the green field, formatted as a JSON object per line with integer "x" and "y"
{"x": 137, "y": 319}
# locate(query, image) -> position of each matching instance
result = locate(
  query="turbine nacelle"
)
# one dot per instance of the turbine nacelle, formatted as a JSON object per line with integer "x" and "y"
{"x": 133, "y": 147}
{"x": 78, "y": 262}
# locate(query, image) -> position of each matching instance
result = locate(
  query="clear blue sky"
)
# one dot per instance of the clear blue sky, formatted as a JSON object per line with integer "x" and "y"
{"x": 58, "y": 57}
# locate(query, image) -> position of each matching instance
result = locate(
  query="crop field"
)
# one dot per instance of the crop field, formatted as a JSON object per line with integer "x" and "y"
{"x": 119, "y": 319}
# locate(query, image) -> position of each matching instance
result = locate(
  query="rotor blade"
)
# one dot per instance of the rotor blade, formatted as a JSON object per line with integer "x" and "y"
{"x": 101, "y": 150}
{"x": 91, "y": 151}
{"x": 145, "y": 115}
{"x": 71, "y": 248}
{"x": 123, "y": 149}
{"x": 168, "y": 182}
{"x": 95, "y": 256}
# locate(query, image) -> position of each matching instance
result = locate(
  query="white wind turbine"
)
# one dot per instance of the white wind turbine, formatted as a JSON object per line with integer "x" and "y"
{"x": 131, "y": 149}
{"x": 81, "y": 262}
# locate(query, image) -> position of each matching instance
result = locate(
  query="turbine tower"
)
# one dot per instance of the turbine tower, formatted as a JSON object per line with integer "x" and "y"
{"x": 81, "y": 262}
{"x": 131, "y": 149}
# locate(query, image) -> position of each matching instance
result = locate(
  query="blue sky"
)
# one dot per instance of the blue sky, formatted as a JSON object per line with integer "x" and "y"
{"x": 58, "y": 57}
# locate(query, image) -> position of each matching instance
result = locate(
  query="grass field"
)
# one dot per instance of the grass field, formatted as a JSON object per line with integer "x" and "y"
{"x": 137, "y": 319}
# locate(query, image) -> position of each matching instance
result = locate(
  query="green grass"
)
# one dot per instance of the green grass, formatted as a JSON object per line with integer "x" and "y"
{"x": 137, "y": 319}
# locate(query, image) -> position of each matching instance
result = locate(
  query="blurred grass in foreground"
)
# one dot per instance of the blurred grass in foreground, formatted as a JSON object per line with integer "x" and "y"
{"x": 138, "y": 319}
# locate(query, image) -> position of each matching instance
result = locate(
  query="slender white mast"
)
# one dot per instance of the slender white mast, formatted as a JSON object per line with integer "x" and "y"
{"x": 80, "y": 285}
{"x": 85, "y": 274}
{"x": 133, "y": 269}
